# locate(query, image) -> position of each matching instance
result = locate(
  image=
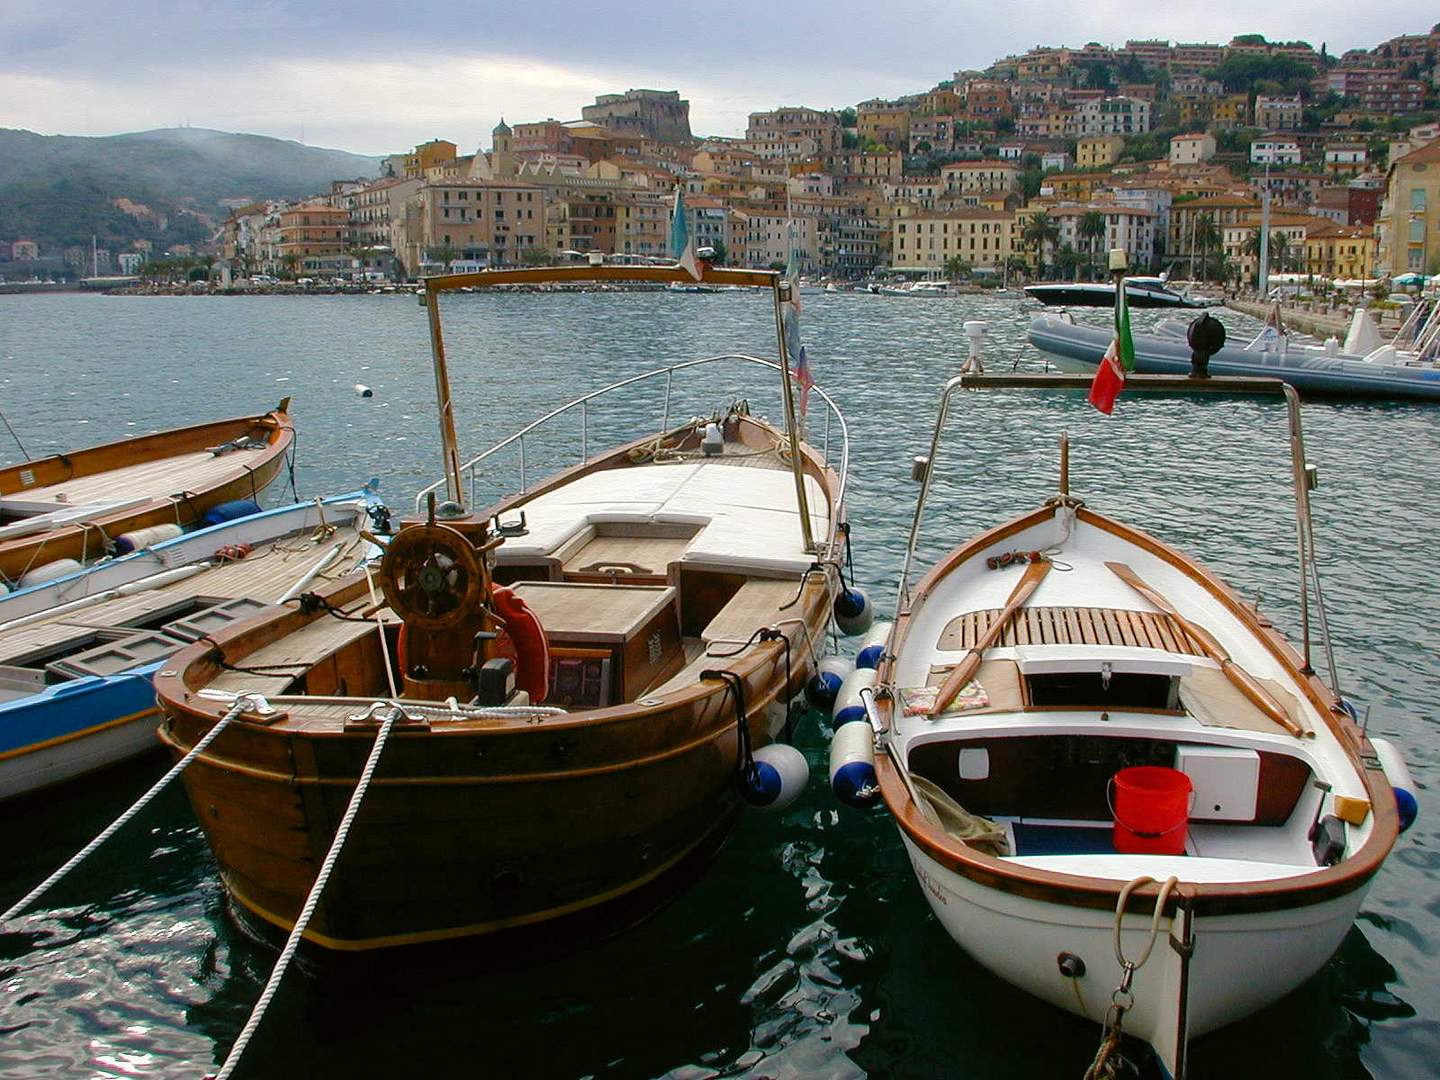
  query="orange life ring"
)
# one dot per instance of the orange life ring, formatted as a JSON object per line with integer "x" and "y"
{"x": 532, "y": 650}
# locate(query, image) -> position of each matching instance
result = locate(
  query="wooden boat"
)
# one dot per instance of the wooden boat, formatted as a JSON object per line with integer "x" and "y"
{"x": 1013, "y": 702}
{"x": 77, "y": 653}
{"x": 75, "y": 505}
{"x": 665, "y": 597}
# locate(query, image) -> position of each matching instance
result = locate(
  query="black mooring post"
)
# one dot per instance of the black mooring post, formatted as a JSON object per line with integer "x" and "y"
{"x": 1206, "y": 337}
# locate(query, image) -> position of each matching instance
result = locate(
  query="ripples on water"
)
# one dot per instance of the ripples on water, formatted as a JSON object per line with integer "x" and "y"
{"x": 806, "y": 950}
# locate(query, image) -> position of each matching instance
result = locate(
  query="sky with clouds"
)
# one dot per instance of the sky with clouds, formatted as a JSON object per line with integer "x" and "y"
{"x": 375, "y": 76}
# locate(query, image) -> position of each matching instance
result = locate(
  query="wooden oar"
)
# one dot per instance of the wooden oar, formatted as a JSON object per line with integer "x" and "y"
{"x": 1242, "y": 679}
{"x": 965, "y": 670}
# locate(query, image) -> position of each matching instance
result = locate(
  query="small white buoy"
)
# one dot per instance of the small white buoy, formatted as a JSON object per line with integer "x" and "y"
{"x": 824, "y": 685}
{"x": 853, "y": 611}
{"x": 781, "y": 773}
{"x": 852, "y": 765}
{"x": 362, "y": 390}
{"x": 872, "y": 645}
{"x": 848, "y": 705}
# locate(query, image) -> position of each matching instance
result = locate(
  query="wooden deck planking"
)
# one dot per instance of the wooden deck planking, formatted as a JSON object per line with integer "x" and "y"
{"x": 162, "y": 477}
{"x": 1072, "y": 626}
{"x": 264, "y": 575}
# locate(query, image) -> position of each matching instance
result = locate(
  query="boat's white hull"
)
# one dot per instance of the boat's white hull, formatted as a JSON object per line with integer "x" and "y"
{"x": 108, "y": 744}
{"x": 1241, "y": 963}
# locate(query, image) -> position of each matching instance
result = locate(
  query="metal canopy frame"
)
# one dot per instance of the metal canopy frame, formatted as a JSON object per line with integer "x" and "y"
{"x": 1156, "y": 384}
{"x": 599, "y": 272}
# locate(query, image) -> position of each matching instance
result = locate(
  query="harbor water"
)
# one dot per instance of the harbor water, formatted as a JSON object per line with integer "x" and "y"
{"x": 806, "y": 949}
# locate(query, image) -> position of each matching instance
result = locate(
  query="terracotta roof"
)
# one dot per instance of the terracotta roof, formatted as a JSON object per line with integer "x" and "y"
{"x": 1426, "y": 154}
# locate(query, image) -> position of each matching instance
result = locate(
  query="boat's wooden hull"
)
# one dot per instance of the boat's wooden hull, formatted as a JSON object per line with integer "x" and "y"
{"x": 467, "y": 833}
{"x": 252, "y": 471}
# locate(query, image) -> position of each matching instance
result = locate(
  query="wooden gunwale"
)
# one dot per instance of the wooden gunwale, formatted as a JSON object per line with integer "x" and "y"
{"x": 1074, "y": 890}
{"x": 252, "y": 472}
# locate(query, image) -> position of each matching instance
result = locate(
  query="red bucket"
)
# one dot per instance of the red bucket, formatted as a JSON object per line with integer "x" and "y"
{"x": 1151, "y": 810}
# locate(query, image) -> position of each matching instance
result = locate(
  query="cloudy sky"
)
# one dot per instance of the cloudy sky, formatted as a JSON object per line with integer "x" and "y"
{"x": 374, "y": 76}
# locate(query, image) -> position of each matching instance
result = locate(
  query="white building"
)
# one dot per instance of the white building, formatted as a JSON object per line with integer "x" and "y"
{"x": 1115, "y": 116}
{"x": 1127, "y": 227}
{"x": 1275, "y": 152}
{"x": 1192, "y": 149}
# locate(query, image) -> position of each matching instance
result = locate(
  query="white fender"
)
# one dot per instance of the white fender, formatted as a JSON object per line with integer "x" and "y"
{"x": 848, "y": 705}
{"x": 781, "y": 775}
{"x": 852, "y": 764}
{"x": 1398, "y": 773}
{"x": 872, "y": 645}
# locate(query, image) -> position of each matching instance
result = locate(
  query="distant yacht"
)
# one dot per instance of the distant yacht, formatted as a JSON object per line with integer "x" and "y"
{"x": 1139, "y": 292}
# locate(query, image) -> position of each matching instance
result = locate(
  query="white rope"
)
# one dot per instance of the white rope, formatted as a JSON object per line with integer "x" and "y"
{"x": 237, "y": 1048}
{"x": 241, "y": 705}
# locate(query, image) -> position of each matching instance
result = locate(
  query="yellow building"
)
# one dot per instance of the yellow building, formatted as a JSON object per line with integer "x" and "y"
{"x": 1098, "y": 151}
{"x": 1340, "y": 251}
{"x": 641, "y": 221}
{"x": 1231, "y": 111}
{"x": 887, "y": 125}
{"x": 1410, "y": 222}
{"x": 1076, "y": 186}
{"x": 940, "y": 102}
{"x": 435, "y": 154}
{"x": 925, "y": 240}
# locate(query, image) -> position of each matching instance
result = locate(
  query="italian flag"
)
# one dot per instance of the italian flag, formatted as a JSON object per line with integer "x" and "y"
{"x": 1118, "y": 359}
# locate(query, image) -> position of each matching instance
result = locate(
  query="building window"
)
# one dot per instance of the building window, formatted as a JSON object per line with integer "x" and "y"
{"x": 1417, "y": 200}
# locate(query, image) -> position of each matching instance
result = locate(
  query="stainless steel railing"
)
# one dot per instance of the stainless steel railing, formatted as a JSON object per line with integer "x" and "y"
{"x": 833, "y": 416}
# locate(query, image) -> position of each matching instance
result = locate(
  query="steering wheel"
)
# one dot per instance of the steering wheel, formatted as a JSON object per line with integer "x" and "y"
{"x": 431, "y": 577}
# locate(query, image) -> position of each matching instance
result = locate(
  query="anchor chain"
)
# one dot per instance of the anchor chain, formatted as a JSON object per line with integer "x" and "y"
{"x": 1109, "y": 1063}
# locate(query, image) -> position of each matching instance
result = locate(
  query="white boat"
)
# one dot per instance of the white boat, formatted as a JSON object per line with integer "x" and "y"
{"x": 1363, "y": 366}
{"x": 1009, "y": 702}
{"x": 1140, "y": 292}
{"x": 77, "y": 653}
{"x": 918, "y": 289}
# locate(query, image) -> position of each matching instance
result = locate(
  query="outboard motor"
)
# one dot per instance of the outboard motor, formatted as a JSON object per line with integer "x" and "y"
{"x": 1206, "y": 337}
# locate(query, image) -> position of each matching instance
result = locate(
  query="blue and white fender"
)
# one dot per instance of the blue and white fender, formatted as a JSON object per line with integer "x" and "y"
{"x": 1401, "y": 782}
{"x": 824, "y": 687}
{"x": 780, "y": 775}
{"x": 872, "y": 645}
{"x": 853, "y": 611}
{"x": 852, "y": 764}
{"x": 848, "y": 705}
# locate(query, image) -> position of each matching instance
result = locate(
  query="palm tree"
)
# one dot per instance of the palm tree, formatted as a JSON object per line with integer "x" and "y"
{"x": 1041, "y": 231}
{"x": 1090, "y": 229}
{"x": 1207, "y": 235}
{"x": 1280, "y": 252}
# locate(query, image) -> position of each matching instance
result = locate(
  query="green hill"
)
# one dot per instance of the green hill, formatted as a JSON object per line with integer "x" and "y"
{"x": 61, "y": 189}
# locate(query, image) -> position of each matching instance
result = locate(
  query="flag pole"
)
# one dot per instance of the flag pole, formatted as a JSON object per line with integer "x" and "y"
{"x": 783, "y": 296}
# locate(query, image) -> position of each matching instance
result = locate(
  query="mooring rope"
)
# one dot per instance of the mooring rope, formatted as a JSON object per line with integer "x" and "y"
{"x": 242, "y": 705}
{"x": 292, "y": 943}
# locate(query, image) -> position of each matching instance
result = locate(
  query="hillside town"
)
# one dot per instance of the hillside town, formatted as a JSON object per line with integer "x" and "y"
{"x": 1032, "y": 168}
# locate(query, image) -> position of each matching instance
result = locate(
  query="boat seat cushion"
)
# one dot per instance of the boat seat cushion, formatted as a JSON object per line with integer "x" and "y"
{"x": 747, "y": 516}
